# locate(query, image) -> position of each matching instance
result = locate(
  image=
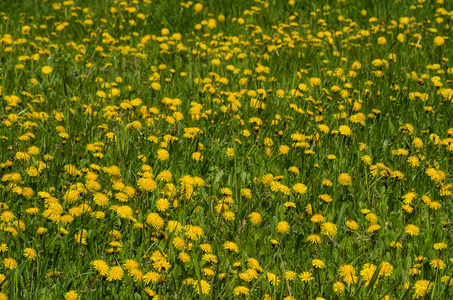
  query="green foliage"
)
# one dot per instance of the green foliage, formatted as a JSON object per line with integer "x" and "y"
{"x": 226, "y": 149}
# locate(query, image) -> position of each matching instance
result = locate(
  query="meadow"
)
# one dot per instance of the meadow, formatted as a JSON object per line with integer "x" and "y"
{"x": 226, "y": 149}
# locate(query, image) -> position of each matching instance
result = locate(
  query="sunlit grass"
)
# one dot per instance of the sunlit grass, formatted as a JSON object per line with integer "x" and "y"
{"x": 226, "y": 149}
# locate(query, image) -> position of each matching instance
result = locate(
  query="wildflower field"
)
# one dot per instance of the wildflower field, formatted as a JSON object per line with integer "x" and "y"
{"x": 226, "y": 149}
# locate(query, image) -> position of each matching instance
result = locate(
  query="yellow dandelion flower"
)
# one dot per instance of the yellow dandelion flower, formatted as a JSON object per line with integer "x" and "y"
{"x": 10, "y": 263}
{"x": 124, "y": 211}
{"x": 230, "y": 152}
{"x": 439, "y": 41}
{"x": 30, "y": 253}
{"x": 241, "y": 291}
{"x": 100, "y": 199}
{"x": 283, "y": 227}
{"x": 146, "y": 184}
{"x": 162, "y": 154}
{"x": 152, "y": 277}
{"x": 412, "y": 229}
{"x": 202, "y": 287}
{"x": 317, "y": 218}
{"x": 437, "y": 264}
{"x": 306, "y": 276}
{"x": 165, "y": 176}
{"x": 46, "y": 69}
{"x": 345, "y": 130}
{"x": 440, "y": 246}
{"x": 71, "y": 295}
{"x": 290, "y": 275}
{"x": 317, "y": 263}
{"x": 155, "y": 220}
{"x": 329, "y": 229}
{"x": 421, "y": 288}
{"x": 345, "y": 179}
{"x": 255, "y": 218}
{"x": 115, "y": 273}
{"x": 230, "y": 246}
{"x": 300, "y": 188}
{"x": 273, "y": 278}
{"x": 338, "y": 287}
{"x": 162, "y": 204}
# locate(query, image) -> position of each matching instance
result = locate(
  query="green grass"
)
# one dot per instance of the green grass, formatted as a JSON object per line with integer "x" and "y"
{"x": 129, "y": 79}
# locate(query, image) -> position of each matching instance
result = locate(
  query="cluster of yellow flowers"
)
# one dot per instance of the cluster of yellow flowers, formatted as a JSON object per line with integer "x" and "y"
{"x": 198, "y": 148}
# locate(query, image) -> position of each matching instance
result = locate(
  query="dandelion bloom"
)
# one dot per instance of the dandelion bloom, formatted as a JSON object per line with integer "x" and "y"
{"x": 326, "y": 198}
{"x": 155, "y": 220}
{"x": 10, "y": 263}
{"x": 294, "y": 170}
{"x": 314, "y": 81}
{"x": 367, "y": 273}
{"x": 229, "y": 215}
{"x": 100, "y": 199}
{"x": 202, "y": 287}
{"x": 283, "y": 227}
{"x": 206, "y": 248}
{"x": 345, "y": 179}
{"x": 230, "y": 246}
{"x": 437, "y": 264}
{"x": 230, "y": 152}
{"x": 412, "y": 229}
{"x": 338, "y": 287}
{"x": 306, "y": 276}
{"x": 124, "y": 211}
{"x": 162, "y": 204}
{"x": 241, "y": 290}
{"x": 46, "y": 69}
{"x": 373, "y": 228}
{"x": 101, "y": 266}
{"x": 413, "y": 161}
{"x": 198, "y": 7}
{"x": 324, "y": 128}
{"x": 156, "y": 86}
{"x": 290, "y": 275}
{"x": 317, "y": 263}
{"x": 300, "y": 188}
{"x": 152, "y": 277}
{"x": 165, "y": 176}
{"x": 193, "y": 232}
{"x": 421, "y": 288}
{"x": 317, "y": 218}
{"x": 273, "y": 278}
{"x": 162, "y": 154}
{"x": 386, "y": 269}
{"x": 440, "y": 246}
{"x": 439, "y": 41}
{"x": 329, "y": 229}
{"x": 345, "y": 130}
{"x": 351, "y": 224}
{"x": 255, "y": 218}
{"x": 210, "y": 258}
{"x": 7, "y": 216}
{"x": 284, "y": 149}
{"x": 41, "y": 230}
{"x": 71, "y": 295}
{"x": 30, "y": 253}
{"x": 346, "y": 271}
{"x": 184, "y": 257}
{"x": 314, "y": 238}
{"x": 146, "y": 184}
{"x": 115, "y": 273}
